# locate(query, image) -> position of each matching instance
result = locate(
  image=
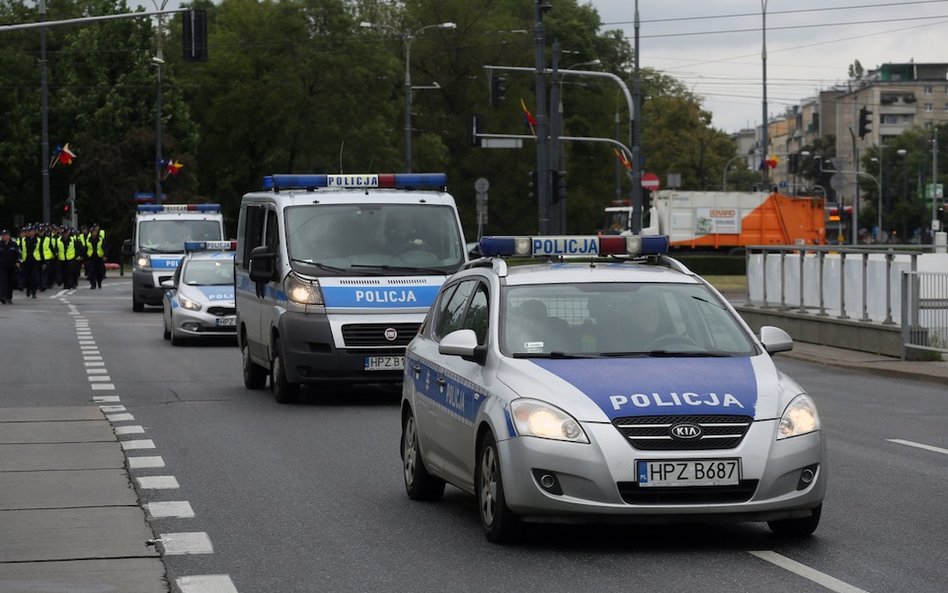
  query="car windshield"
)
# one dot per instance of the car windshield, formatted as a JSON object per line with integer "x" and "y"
{"x": 169, "y": 236}
{"x": 390, "y": 239}
{"x": 619, "y": 319}
{"x": 200, "y": 272}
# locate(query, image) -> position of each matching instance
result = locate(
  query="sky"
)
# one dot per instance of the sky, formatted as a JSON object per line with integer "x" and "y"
{"x": 810, "y": 45}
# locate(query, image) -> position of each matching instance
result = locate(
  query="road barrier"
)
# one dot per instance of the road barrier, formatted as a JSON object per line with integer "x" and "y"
{"x": 925, "y": 311}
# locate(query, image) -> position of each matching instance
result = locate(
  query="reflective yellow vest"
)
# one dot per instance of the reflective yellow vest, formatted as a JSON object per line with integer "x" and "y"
{"x": 90, "y": 241}
{"x": 48, "y": 244}
{"x": 67, "y": 248}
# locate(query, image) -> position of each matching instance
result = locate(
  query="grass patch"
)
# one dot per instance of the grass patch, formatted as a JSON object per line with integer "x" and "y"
{"x": 728, "y": 284}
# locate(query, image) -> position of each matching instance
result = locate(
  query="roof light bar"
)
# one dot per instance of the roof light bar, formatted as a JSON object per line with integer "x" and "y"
{"x": 356, "y": 181}
{"x": 573, "y": 245}
{"x": 153, "y": 208}
{"x": 190, "y": 246}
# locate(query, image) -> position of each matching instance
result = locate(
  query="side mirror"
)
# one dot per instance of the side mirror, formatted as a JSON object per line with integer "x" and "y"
{"x": 168, "y": 285}
{"x": 473, "y": 250}
{"x": 775, "y": 339}
{"x": 463, "y": 343}
{"x": 262, "y": 264}
{"x": 127, "y": 248}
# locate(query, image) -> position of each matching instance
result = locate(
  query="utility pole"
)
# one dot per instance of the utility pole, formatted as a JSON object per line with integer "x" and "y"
{"x": 636, "y": 134}
{"x": 764, "y": 140}
{"x": 556, "y": 122}
{"x": 543, "y": 154}
{"x": 158, "y": 61}
{"x": 44, "y": 115}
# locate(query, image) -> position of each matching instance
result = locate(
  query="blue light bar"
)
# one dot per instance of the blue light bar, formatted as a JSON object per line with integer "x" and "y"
{"x": 356, "y": 181}
{"x": 573, "y": 246}
{"x": 153, "y": 208}
{"x": 190, "y": 246}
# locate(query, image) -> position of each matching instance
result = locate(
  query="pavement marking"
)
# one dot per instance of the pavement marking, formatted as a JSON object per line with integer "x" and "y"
{"x": 96, "y": 378}
{"x": 103, "y": 387}
{"x": 119, "y": 417}
{"x": 144, "y": 462}
{"x": 138, "y": 444}
{"x": 87, "y": 342}
{"x": 74, "y": 312}
{"x": 98, "y": 372}
{"x": 112, "y": 409}
{"x": 60, "y": 293}
{"x": 91, "y": 357}
{"x": 129, "y": 430}
{"x": 94, "y": 364}
{"x": 104, "y": 399}
{"x": 158, "y": 482}
{"x": 179, "y": 544}
{"x": 94, "y": 351}
{"x": 177, "y": 509}
{"x": 206, "y": 583}
{"x": 919, "y": 445}
{"x": 820, "y": 578}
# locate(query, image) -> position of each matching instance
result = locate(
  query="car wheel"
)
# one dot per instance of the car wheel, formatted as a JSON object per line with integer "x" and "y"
{"x": 283, "y": 391}
{"x": 419, "y": 484}
{"x": 797, "y": 527}
{"x": 176, "y": 339}
{"x": 498, "y": 521}
{"x": 255, "y": 376}
{"x": 167, "y": 333}
{"x": 137, "y": 305}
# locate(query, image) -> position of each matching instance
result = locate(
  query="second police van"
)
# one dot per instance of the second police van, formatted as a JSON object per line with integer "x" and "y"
{"x": 335, "y": 273}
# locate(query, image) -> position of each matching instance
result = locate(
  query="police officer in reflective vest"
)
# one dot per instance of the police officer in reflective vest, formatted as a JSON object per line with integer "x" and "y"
{"x": 31, "y": 256}
{"x": 68, "y": 254}
{"x": 48, "y": 266}
{"x": 95, "y": 257}
{"x": 9, "y": 262}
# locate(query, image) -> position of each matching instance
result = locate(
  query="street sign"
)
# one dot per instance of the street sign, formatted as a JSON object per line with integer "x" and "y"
{"x": 481, "y": 204}
{"x": 939, "y": 191}
{"x": 481, "y": 185}
{"x": 650, "y": 181}
{"x": 838, "y": 182}
{"x": 673, "y": 180}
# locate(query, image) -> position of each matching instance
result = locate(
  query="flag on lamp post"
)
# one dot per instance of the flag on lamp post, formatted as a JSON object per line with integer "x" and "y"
{"x": 62, "y": 155}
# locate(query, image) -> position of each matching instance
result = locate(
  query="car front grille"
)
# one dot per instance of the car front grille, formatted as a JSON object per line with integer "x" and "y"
{"x": 222, "y": 311}
{"x": 373, "y": 334}
{"x": 653, "y": 433}
{"x": 632, "y": 493}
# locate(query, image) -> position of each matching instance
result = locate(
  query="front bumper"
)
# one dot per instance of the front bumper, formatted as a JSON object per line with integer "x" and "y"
{"x": 201, "y": 324}
{"x": 596, "y": 479}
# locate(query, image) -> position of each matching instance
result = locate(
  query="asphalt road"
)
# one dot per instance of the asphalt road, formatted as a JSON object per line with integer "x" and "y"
{"x": 309, "y": 497}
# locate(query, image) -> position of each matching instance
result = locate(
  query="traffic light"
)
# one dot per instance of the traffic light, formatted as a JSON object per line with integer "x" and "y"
{"x": 67, "y": 209}
{"x": 864, "y": 122}
{"x": 533, "y": 184}
{"x": 498, "y": 89}
{"x": 559, "y": 186}
{"x": 195, "y": 36}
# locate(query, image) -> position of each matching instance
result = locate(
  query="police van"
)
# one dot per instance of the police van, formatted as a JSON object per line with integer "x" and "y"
{"x": 335, "y": 273}
{"x": 156, "y": 247}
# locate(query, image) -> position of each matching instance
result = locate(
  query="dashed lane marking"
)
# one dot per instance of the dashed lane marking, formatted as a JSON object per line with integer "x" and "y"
{"x": 179, "y": 544}
{"x": 120, "y": 430}
{"x": 91, "y": 358}
{"x": 158, "y": 483}
{"x": 119, "y": 417}
{"x": 919, "y": 445}
{"x": 111, "y": 409}
{"x": 97, "y": 372}
{"x": 96, "y": 378}
{"x": 103, "y": 399}
{"x": 145, "y": 462}
{"x": 176, "y": 509}
{"x": 206, "y": 583}
{"x": 103, "y": 387}
{"x": 820, "y": 578}
{"x": 138, "y": 444}
{"x": 94, "y": 364}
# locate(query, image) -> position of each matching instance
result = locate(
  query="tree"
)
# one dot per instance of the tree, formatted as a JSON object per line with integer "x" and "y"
{"x": 856, "y": 71}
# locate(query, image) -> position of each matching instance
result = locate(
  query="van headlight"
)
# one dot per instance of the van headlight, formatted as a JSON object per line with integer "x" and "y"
{"x": 302, "y": 291}
{"x": 143, "y": 262}
{"x": 799, "y": 418}
{"x": 540, "y": 419}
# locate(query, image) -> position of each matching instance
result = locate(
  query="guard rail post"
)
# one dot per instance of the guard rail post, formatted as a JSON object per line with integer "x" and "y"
{"x": 905, "y": 315}
{"x": 822, "y": 256}
{"x": 888, "y": 288}
{"x": 763, "y": 266}
{"x": 802, "y": 260}
{"x": 783, "y": 280}
{"x": 865, "y": 294}
{"x": 842, "y": 286}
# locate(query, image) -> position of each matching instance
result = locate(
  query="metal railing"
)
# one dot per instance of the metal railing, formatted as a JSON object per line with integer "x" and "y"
{"x": 925, "y": 311}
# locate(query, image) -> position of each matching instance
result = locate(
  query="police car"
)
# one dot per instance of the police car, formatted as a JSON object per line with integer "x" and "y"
{"x": 199, "y": 299}
{"x": 618, "y": 387}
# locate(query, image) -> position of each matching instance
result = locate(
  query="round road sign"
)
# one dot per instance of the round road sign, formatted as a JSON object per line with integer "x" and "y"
{"x": 481, "y": 185}
{"x": 650, "y": 181}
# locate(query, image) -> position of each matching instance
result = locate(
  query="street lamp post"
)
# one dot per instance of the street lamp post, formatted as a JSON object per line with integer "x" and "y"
{"x": 44, "y": 116}
{"x": 764, "y": 142}
{"x": 158, "y": 61}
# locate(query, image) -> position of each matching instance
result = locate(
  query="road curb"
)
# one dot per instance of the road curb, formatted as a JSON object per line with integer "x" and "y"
{"x": 869, "y": 368}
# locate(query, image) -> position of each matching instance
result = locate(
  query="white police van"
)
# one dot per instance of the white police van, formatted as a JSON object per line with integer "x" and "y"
{"x": 335, "y": 273}
{"x": 156, "y": 247}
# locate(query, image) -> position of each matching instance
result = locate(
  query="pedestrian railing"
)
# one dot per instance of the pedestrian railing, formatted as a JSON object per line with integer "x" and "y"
{"x": 924, "y": 299}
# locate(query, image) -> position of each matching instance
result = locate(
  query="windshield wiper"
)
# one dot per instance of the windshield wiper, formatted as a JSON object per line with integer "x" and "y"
{"x": 316, "y": 264}
{"x": 558, "y": 355}
{"x": 389, "y": 268}
{"x": 668, "y": 354}
{"x": 156, "y": 250}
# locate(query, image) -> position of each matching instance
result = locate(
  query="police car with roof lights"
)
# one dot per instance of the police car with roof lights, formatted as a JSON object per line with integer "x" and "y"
{"x": 617, "y": 387}
{"x": 199, "y": 299}
{"x": 334, "y": 274}
{"x": 158, "y": 233}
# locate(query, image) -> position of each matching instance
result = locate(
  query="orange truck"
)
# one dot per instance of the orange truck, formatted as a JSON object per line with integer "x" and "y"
{"x": 726, "y": 220}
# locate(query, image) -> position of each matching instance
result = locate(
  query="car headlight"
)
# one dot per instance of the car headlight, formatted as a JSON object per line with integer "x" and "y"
{"x": 143, "y": 262}
{"x": 189, "y": 304}
{"x": 540, "y": 419}
{"x": 303, "y": 292}
{"x": 799, "y": 418}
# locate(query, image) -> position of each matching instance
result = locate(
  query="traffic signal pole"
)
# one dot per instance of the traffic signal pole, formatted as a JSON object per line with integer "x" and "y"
{"x": 542, "y": 131}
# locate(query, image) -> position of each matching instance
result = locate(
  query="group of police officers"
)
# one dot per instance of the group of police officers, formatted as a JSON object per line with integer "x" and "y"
{"x": 43, "y": 255}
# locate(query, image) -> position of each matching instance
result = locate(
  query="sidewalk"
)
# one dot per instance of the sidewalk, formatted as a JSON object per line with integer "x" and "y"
{"x": 69, "y": 517}
{"x": 875, "y": 364}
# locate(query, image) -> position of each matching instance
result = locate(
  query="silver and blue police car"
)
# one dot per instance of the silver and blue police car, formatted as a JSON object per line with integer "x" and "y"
{"x": 199, "y": 300}
{"x": 618, "y": 387}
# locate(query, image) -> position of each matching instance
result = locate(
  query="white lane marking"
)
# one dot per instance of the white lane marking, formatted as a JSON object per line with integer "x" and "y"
{"x": 820, "y": 578}
{"x": 138, "y": 444}
{"x": 206, "y": 583}
{"x": 102, "y": 387}
{"x": 97, "y": 372}
{"x": 91, "y": 357}
{"x": 111, "y": 409}
{"x": 919, "y": 445}
{"x": 179, "y": 544}
{"x": 96, "y": 378}
{"x": 94, "y": 364}
{"x": 93, "y": 352}
{"x": 74, "y": 312}
{"x": 177, "y": 509}
{"x": 59, "y": 294}
{"x": 129, "y": 430}
{"x": 103, "y": 399}
{"x": 119, "y": 417}
{"x": 158, "y": 482}
{"x": 144, "y": 462}
{"x": 87, "y": 342}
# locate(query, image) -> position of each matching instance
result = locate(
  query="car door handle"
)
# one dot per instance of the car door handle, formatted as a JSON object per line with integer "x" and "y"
{"x": 442, "y": 382}
{"x": 417, "y": 369}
